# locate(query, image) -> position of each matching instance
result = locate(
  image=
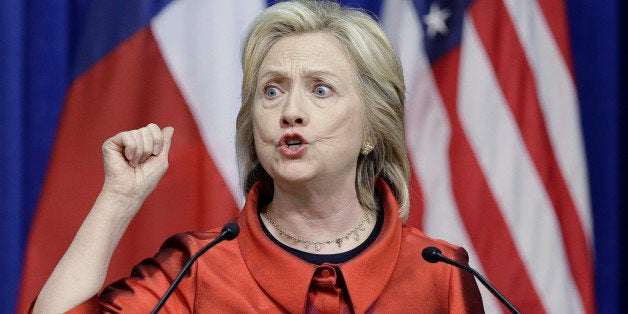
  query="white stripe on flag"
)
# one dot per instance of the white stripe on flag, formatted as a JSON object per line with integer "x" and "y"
{"x": 494, "y": 136}
{"x": 200, "y": 41}
{"x": 558, "y": 100}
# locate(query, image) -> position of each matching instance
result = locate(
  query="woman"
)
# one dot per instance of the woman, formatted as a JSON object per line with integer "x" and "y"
{"x": 321, "y": 152}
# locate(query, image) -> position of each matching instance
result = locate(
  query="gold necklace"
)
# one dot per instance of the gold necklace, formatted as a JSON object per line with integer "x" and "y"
{"x": 317, "y": 244}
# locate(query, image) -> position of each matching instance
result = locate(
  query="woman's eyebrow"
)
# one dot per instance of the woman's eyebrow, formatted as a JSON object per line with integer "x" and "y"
{"x": 320, "y": 73}
{"x": 273, "y": 74}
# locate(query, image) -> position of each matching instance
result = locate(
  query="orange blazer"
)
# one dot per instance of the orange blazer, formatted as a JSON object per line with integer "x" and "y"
{"x": 253, "y": 275}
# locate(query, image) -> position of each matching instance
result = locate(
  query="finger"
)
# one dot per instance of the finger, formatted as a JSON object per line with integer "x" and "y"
{"x": 147, "y": 144}
{"x": 139, "y": 147}
{"x": 115, "y": 143}
{"x": 157, "y": 137}
{"x": 125, "y": 143}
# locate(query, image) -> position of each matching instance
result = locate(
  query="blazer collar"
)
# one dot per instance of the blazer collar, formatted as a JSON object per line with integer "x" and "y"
{"x": 287, "y": 278}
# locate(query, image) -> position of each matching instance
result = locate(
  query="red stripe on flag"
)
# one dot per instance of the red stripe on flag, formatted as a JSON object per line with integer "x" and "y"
{"x": 517, "y": 83}
{"x": 480, "y": 213}
{"x": 556, "y": 17}
{"x": 127, "y": 89}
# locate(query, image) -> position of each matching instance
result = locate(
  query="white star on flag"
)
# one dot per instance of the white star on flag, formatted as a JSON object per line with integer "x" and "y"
{"x": 435, "y": 20}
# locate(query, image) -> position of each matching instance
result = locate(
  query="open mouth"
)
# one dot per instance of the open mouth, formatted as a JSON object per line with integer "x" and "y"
{"x": 293, "y": 142}
{"x": 292, "y": 145}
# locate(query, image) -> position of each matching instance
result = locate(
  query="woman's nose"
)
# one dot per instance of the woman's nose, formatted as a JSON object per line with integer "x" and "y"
{"x": 294, "y": 111}
{"x": 291, "y": 121}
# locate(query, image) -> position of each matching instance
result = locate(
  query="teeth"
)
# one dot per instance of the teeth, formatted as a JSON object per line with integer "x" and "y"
{"x": 293, "y": 142}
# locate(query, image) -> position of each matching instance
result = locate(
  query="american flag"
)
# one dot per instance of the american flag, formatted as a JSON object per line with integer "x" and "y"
{"x": 493, "y": 133}
{"x": 492, "y": 124}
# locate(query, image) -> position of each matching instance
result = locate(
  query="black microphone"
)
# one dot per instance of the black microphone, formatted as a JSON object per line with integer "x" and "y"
{"x": 228, "y": 232}
{"x": 433, "y": 255}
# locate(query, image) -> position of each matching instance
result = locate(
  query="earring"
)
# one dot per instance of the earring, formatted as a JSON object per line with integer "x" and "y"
{"x": 366, "y": 148}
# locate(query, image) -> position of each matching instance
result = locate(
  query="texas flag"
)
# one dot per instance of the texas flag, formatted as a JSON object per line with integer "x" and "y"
{"x": 492, "y": 120}
{"x": 180, "y": 69}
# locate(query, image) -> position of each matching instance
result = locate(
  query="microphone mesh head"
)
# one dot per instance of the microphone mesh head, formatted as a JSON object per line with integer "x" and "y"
{"x": 231, "y": 230}
{"x": 430, "y": 254}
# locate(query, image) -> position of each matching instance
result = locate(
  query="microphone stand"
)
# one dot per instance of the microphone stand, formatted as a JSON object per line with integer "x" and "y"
{"x": 229, "y": 232}
{"x": 433, "y": 255}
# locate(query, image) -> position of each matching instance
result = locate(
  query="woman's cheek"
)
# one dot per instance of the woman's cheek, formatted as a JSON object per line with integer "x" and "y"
{"x": 262, "y": 131}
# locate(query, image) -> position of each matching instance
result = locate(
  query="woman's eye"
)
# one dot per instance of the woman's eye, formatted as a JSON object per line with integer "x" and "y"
{"x": 272, "y": 92}
{"x": 322, "y": 90}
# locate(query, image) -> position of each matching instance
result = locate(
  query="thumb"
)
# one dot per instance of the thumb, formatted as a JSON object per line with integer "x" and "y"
{"x": 168, "y": 132}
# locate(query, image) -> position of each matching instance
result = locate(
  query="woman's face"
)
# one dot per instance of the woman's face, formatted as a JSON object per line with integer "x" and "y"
{"x": 308, "y": 115}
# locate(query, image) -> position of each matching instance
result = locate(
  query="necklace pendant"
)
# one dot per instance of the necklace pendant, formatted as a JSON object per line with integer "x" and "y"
{"x": 339, "y": 242}
{"x": 317, "y": 247}
{"x": 356, "y": 236}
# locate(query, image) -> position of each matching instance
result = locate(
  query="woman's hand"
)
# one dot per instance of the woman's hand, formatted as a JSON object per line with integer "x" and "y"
{"x": 135, "y": 161}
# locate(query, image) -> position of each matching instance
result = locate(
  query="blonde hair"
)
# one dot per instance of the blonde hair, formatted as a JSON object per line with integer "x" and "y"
{"x": 381, "y": 88}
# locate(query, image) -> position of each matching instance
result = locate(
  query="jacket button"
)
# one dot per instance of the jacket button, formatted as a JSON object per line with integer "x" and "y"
{"x": 325, "y": 273}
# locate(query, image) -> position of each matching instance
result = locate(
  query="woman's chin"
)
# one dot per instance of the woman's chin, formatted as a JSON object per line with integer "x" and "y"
{"x": 293, "y": 178}
{"x": 294, "y": 171}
